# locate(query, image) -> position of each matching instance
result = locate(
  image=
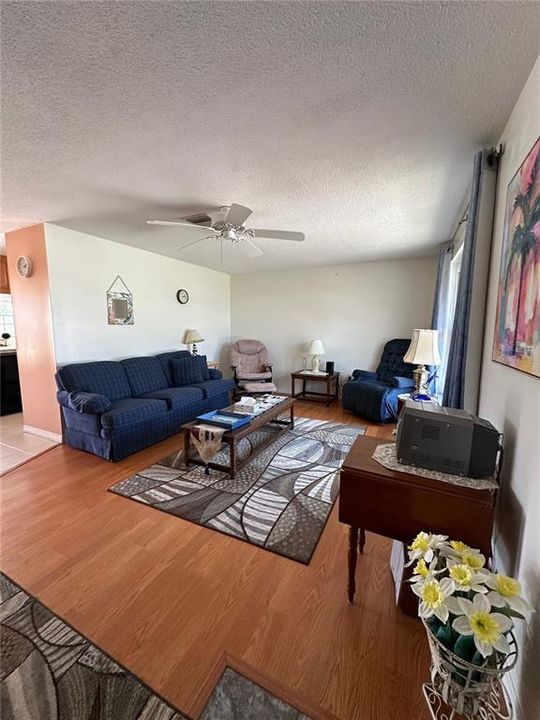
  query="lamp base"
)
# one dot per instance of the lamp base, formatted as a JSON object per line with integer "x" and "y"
{"x": 421, "y": 375}
{"x": 194, "y": 349}
{"x": 315, "y": 364}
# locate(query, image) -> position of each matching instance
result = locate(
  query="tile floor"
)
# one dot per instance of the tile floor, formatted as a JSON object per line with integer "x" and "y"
{"x": 17, "y": 446}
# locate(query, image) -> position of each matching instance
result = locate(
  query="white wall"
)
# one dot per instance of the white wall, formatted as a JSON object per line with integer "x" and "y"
{"x": 354, "y": 309}
{"x": 511, "y": 401}
{"x": 81, "y": 269}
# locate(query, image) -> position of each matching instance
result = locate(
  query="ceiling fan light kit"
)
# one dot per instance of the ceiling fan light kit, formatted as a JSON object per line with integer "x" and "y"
{"x": 232, "y": 229}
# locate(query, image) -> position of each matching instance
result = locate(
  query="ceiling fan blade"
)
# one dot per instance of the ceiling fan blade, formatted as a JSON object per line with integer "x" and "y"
{"x": 279, "y": 235}
{"x": 208, "y": 237}
{"x": 238, "y": 214}
{"x": 179, "y": 223}
{"x": 251, "y": 249}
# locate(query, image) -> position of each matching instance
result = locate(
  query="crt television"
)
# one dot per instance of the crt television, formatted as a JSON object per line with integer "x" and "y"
{"x": 448, "y": 440}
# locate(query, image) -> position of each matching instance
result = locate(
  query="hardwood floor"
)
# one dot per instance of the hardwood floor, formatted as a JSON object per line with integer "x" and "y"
{"x": 173, "y": 601}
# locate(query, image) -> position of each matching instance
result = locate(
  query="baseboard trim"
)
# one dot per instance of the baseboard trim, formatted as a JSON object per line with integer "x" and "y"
{"x": 55, "y": 437}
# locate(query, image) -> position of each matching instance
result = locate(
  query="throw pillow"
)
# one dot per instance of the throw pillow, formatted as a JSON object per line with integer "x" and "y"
{"x": 189, "y": 370}
{"x": 89, "y": 402}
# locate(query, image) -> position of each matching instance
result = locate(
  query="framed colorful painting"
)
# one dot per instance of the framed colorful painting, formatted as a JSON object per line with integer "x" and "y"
{"x": 516, "y": 339}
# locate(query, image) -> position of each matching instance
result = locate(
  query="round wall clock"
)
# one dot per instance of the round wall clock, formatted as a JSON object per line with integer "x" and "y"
{"x": 24, "y": 266}
{"x": 182, "y": 296}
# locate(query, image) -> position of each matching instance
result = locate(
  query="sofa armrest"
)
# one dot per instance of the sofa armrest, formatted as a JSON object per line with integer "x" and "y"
{"x": 215, "y": 374}
{"x": 364, "y": 375}
{"x": 403, "y": 383}
{"x": 84, "y": 402}
{"x": 63, "y": 398}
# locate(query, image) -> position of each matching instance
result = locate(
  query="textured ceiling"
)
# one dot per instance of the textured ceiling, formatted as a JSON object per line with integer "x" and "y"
{"x": 353, "y": 122}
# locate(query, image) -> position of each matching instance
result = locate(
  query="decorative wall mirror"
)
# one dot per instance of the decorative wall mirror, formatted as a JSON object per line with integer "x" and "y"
{"x": 119, "y": 303}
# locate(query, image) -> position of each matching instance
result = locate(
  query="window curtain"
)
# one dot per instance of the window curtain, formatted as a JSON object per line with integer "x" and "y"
{"x": 454, "y": 384}
{"x": 443, "y": 313}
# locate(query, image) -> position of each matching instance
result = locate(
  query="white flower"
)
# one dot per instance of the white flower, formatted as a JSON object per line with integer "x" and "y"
{"x": 462, "y": 553}
{"x": 422, "y": 571}
{"x": 486, "y": 627}
{"x": 434, "y": 596}
{"x": 506, "y": 592}
{"x": 465, "y": 578}
{"x": 424, "y": 545}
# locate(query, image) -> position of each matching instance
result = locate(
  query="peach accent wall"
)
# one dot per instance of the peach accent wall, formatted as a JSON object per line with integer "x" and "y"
{"x": 33, "y": 327}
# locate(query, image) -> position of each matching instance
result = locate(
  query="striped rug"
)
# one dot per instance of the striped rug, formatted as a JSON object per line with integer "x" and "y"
{"x": 279, "y": 501}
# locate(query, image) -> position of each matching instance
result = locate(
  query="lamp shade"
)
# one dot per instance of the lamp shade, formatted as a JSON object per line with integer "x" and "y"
{"x": 316, "y": 348}
{"x": 192, "y": 336}
{"x": 424, "y": 348}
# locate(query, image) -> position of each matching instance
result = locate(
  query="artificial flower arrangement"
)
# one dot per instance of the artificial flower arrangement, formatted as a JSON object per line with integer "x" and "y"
{"x": 468, "y": 608}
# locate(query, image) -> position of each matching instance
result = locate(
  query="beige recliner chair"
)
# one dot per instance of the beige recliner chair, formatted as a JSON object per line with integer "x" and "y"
{"x": 252, "y": 371}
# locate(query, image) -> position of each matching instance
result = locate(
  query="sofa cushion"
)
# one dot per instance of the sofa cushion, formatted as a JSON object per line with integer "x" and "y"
{"x": 144, "y": 374}
{"x": 212, "y": 388}
{"x": 177, "y": 397}
{"x": 164, "y": 360}
{"x": 88, "y": 402}
{"x": 189, "y": 370}
{"x": 104, "y": 377}
{"x": 131, "y": 411}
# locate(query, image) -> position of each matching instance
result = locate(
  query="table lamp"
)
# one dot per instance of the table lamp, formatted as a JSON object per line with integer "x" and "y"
{"x": 192, "y": 337}
{"x": 423, "y": 350}
{"x": 316, "y": 348}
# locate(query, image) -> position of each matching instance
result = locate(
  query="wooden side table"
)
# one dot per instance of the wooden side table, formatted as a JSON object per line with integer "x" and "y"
{"x": 399, "y": 505}
{"x": 331, "y": 381}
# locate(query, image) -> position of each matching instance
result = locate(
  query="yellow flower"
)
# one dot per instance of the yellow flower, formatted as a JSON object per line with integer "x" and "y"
{"x": 421, "y": 568}
{"x": 420, "y": 542}
{"x": 459, "y": 547}
{"x": 488, "y": 629}
{"x": 507, "y": 586}
{"x": 485, "y": 627}
{"x": 461, "y": 575}
{"x": 432, "y": 594}
{"x": 474, "y": 560}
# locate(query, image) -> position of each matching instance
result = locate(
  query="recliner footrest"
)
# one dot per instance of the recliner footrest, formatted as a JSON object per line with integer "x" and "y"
{"x": 261, "y": 387}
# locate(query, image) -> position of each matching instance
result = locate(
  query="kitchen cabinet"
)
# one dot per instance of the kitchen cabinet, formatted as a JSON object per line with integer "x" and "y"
{"x": 4, "y": 277}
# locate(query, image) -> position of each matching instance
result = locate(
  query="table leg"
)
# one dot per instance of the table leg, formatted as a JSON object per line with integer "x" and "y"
{"x": 292, "y": 417}
{"x": 232, "y": 458}
{"x": 187, "y": 437}
{"x": 353, "y": 545}
{"x": 292, "y": 387}
{"x": 362, "y": 541}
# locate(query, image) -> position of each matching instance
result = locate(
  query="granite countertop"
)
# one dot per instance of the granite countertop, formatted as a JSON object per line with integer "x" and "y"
{"x": 8, "y": 350}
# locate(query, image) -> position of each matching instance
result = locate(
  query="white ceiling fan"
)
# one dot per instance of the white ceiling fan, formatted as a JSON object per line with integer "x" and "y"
{"x": 229, "y": 226}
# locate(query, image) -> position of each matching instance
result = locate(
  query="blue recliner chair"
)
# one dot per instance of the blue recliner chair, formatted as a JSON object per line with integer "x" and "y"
{"x": 373, "y": 395}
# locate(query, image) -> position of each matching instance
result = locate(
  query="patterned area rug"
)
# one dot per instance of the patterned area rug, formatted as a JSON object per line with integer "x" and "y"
{"x": 50, "y": 672}
{"x": 280, "y": 500}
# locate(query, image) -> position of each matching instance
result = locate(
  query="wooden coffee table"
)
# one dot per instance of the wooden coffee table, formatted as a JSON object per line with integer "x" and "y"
{"x": 232, "y": 437}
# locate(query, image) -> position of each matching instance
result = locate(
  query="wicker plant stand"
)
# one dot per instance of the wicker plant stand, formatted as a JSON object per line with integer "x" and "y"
{"x": 460, "y": 690}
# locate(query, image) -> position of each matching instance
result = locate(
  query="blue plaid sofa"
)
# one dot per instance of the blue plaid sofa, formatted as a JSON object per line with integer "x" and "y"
{"x": 374, "y": 395}
{"x": 113, "y": 409}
